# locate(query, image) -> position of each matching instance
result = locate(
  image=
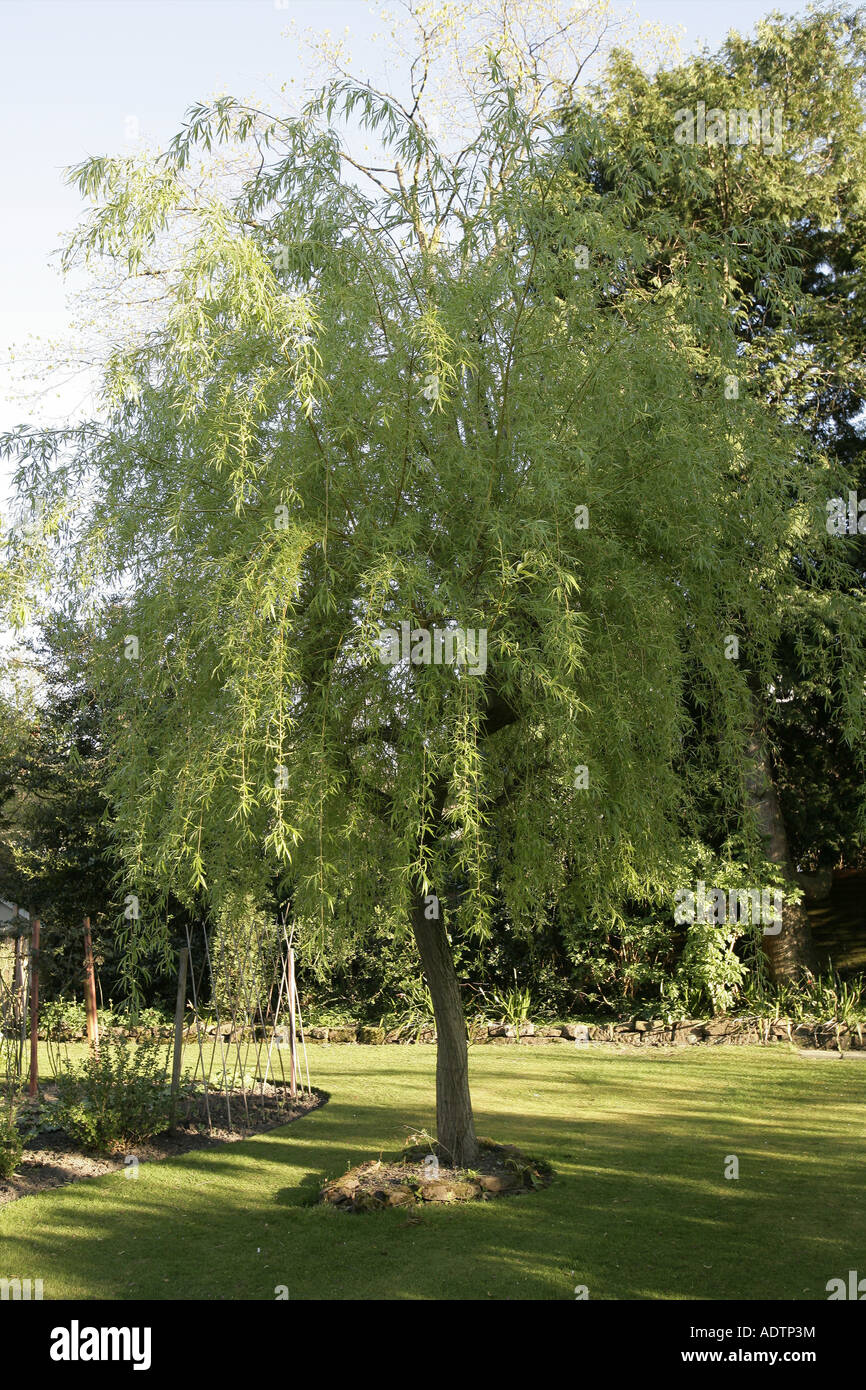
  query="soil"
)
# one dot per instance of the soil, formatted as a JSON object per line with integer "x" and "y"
{"x": 420, "y": 1175}
{"x": 52, "y": 1158}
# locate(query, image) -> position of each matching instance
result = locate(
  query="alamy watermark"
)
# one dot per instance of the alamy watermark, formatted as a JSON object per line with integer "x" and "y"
{"x": 449, "y": 646}
{"x": 850, "y": 521}
{"x": 855, "y": 1289}
{"x": 736, "y": 905}
{"x": 18, "y": 1290}
{"x": 698, "y": 126}
{"x": 77, "y": 1343}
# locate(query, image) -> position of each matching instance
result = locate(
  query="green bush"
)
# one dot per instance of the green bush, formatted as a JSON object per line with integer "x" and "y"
{"x": 116, "y": 1098}
{"x": 63, "y": 1019}
{"x": 821, "y": 999}
{"x": 11, "y": 1143}
{"x": 317, "y": 1015}
{"x": 144, "y": 1020}
{"x": 108, "y": 1018}
{"x": 416, "y": 1016}
{"x": 151, "y": 1018}
{"x": 710, "y": 974}
{"x": 514, "y": 1006}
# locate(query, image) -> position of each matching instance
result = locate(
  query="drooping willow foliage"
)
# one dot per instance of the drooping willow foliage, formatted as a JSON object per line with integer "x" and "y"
{"x": 245, "y": 960}
{"x": 459, "y": 397}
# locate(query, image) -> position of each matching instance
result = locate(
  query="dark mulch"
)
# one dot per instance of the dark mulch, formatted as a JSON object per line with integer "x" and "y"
{"x": 52, "y": 1158}
{"x": 421, "y": 1174}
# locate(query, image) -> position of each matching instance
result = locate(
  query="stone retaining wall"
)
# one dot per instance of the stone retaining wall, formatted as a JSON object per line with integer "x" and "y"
{"x": 637, "y": 1033}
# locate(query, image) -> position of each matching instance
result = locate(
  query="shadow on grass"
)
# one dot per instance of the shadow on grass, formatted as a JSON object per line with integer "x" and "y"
{"x": 640, "y": 1207}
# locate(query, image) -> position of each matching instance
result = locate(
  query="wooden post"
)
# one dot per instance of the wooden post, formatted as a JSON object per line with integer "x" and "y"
{"x": 34, "y": 1007}
{"x": 178, "y": 1031}
{"x": 90, "y": 989}
{"x": 293, "y": 1087}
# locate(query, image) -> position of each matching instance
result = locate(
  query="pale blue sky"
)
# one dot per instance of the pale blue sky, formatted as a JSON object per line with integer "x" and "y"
{"x": 75, "y": 71}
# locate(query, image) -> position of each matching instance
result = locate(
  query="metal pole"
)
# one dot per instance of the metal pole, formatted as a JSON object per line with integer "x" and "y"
{"x": 34, "y": 1008}
{"x": 178, "y": 1031}
{"x": 90, "y": 988}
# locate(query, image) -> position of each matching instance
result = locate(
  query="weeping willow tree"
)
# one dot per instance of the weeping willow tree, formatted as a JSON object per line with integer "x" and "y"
{"x": 432, "y": 518}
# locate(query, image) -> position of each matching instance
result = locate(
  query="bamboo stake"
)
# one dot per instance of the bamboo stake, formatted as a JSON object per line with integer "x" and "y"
{"x": 303, "y": 1043}
{"x": 178, "y": 1032}
{"x": 90, "y": 989}
{"x": 17, "y": 984}
{"x": 34, "y": 1008}
{"x": 198, "y": 1032}
{"x": 273, "y": 1030}
{"x": 293, "y": 1085}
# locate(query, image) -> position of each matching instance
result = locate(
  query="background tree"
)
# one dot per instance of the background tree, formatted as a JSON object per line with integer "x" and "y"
{"x": 798, "y": 322}
{"x": 57, "y": 857}
{"x": 57, "y": 853}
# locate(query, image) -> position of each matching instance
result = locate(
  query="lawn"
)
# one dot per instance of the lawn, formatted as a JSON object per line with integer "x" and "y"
{"x": 640, "y": 1208}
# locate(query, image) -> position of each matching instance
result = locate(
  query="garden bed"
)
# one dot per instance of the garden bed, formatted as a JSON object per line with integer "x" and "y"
{"x": 52, "y": 1158}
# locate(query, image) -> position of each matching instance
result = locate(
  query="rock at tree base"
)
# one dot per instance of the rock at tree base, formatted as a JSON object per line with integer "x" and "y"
{"x": 421, "y": 1175}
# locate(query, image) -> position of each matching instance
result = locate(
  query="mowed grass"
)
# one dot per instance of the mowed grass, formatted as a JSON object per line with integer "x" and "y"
{"x": 639, "y": 1209}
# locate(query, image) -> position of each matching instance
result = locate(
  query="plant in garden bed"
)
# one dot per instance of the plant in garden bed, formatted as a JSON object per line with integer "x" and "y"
{"x": 417, "y": 1015}
{"x": 818, "y": 999}
{"x": 327, "y": 1016}
{"x": 476, "y": 1028}
{"x": 710, "y": 973}
{"x": 149, "y": 1020}
{"x": 63, "y": 1020}
{"x": 531, "y": 1172}
{"x": 38, "y": 1115}
{"x": 10, "y": 1096}
{"x": 513, "y": 1005}
{"x": 116, "y": 1097}
{"x": 11, "y": 1143}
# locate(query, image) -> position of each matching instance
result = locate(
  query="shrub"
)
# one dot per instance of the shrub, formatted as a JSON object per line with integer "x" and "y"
{"x": 63, "y": 1019}
{"x": 116, "y": 1098}
{"x": 512, "y": 1006}
{"x": 322, "y": 1015}
{"x": 144, "y": 1021}
{"x": 710, "y": 974}
{"x": 821, "y": 999}
{"x": 152, "y": 1018}
{"x": 417, "y": 1016}
{"x": 11, "y": 1143}
{"x": 108, "y": 1017}
{"x": 11, "y": 1147}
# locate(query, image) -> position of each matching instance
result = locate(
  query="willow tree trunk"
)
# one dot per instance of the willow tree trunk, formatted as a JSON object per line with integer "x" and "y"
{"x": 455, "y": 1127}
{"x": 790, "y": 952}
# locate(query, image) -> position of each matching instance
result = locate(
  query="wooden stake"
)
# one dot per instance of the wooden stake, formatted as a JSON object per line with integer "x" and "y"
{"x": 90, "y": 989}
{"x": 18, "y": 983}
{"x": 34, "y": 1007}
{"x": 178, "y": 1032}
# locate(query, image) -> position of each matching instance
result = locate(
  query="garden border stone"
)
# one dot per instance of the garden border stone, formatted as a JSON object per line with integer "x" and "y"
{"x": 636, "y": 1032}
